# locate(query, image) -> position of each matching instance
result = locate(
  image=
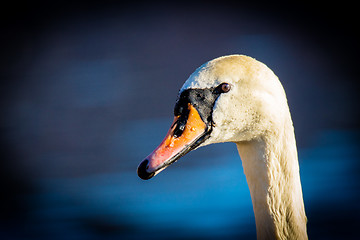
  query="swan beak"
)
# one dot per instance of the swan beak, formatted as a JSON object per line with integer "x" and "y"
{"x": 173, "y": 146}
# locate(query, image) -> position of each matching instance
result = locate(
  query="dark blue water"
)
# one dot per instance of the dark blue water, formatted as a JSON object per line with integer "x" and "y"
{"x": 196, "y": 198}
{"x": 86, "y": 94}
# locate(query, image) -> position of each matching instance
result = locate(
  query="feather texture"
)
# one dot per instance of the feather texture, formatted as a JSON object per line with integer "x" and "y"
{"x": 255, "y": 115}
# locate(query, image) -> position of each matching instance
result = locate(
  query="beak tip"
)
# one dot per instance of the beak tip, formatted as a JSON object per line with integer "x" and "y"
{"x": 142, "y": 170}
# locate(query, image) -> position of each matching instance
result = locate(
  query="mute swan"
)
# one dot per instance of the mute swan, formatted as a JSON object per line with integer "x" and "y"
{"x": 239, "y": 99}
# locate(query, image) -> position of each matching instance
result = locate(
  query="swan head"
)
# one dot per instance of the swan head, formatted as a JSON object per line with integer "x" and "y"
{"x": 229, "y": 99}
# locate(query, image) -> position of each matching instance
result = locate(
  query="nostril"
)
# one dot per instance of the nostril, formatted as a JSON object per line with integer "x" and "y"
{"x": 142, "y": 170}
{"x": 178, "y": 130}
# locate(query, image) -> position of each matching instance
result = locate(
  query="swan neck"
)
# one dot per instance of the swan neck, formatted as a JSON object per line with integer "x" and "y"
{"x": 272, "y": 172}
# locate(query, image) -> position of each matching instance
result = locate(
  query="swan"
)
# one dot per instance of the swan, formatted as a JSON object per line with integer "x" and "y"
{"x": 238, "y": 99}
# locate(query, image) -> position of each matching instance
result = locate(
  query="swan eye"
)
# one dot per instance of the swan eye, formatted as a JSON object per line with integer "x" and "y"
{"x": 225, "y": 87}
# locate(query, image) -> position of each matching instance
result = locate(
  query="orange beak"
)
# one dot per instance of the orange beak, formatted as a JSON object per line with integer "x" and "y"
{"x": 173, "y": 146}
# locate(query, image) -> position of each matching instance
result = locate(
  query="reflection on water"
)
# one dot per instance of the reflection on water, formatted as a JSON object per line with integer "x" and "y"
{"x": 203, "y": 200}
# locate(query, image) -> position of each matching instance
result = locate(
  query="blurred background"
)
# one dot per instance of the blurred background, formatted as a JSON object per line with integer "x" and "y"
{"x": 88, "y": 89}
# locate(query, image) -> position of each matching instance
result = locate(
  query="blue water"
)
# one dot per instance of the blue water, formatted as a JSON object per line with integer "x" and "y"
{"x": 81, "y": 96}
{"x": 199, "y": 197}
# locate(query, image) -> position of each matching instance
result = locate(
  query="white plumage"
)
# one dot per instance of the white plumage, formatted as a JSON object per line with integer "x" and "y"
{"x": 255, "y": 115}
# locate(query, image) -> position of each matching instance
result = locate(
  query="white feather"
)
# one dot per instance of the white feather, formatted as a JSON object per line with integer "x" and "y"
{"x": 255, "y": 115}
